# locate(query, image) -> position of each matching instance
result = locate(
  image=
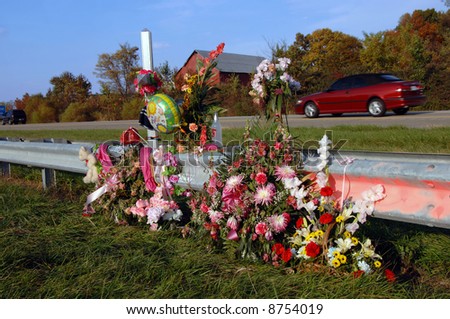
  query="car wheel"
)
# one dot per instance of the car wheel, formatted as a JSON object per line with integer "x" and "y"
{"x": 10, "y": 122}
{"x": 337, "y": 114}
{"x": 311, "y": 110}
{"x": 376, "y": 107}
{"x": 401, "y": 111}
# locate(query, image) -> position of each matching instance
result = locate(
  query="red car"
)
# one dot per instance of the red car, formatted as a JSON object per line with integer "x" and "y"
{"x": 373, "y": 93}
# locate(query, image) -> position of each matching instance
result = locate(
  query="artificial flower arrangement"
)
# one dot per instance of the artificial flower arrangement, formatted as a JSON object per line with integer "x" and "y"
{"x": 198, "y": 105}
{"x": 272, "y": 87}
{"x": 263, "y": 205}
{"x": 135, "y": 184}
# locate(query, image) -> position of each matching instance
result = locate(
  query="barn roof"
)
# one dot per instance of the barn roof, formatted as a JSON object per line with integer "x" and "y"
{"x": 235, "y": 63}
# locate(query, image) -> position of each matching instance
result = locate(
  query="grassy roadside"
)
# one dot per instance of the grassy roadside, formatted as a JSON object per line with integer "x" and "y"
{"x": 374, "y": 138}
{"x": 48, "y": 250}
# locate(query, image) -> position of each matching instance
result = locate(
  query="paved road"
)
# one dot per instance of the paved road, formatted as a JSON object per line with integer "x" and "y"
{"x": 411, "y": 119}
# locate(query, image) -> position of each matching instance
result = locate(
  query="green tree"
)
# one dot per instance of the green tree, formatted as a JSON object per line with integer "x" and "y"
{"x": 118, "y": 70}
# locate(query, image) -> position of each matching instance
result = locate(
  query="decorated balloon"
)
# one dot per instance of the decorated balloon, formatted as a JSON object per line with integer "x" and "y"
{"x": 163, "y": 113}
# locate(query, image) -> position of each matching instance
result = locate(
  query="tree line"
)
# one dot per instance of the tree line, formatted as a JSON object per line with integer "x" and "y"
{"x": 417, "y": 49}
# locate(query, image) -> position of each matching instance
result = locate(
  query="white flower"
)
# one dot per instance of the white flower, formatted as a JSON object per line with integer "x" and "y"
{"x": 173, "y": 215}
{"x": 362, "y": 265}
{"x": 291, "y": 183}
{"x": 344, "y": 244}
{"x": 374, "y": 194}
{"x": 368, "y": 250}
{"x": 154, "y": 214}
{"x": 321, "y": 179}
{"x": 309, "y": 206}
{"x": 283, "y": 64}
{"x": 299, "y": 194}
{"x": 364, "y": 208}
{"x": 352, "y": 227}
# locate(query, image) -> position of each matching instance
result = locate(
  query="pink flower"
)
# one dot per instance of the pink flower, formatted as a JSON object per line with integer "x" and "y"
{"x": 232, "y": 223}
{"x": 261, "y": 228}
{"x": 279, "y": 222}
{"x": 233, "y": 182}
{"x": 264, "y": 194}
{"x": 284, "y": 172}
{"x": 261, "y": 178}
{"x": 141, "y": 203}
{"x": 215, "y": 216}
{"x": 138, "y": 211}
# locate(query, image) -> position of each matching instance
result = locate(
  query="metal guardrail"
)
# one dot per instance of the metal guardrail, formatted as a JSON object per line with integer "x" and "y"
{"x": 417, "y": 186}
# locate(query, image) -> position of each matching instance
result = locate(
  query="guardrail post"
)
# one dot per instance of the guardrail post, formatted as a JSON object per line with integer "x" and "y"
{"x": 48, "y": 177}
{"x": 5, "y": 169}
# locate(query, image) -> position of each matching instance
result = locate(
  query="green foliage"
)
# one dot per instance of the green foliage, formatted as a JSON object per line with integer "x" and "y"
{"x": 234, "y": 98}
{"x": 132, "y": 108}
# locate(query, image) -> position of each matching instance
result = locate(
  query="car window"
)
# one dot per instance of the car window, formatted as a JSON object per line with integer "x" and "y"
{"x": 389, "y": 78}
{"x": 357, "y": 82}
{"x": 340, "y": 84}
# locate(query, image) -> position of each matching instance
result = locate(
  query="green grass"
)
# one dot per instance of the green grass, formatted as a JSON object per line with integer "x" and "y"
{"x": 373, "y": 138}
{"x": 48, "y": 250}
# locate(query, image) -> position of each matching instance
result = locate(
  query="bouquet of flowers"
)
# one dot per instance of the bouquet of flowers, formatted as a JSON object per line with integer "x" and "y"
{"x": 272, "y": 86}
{"x": 263, "y": 205}
{"x": 197, "y": 102}
{"x": 135, "y": 184}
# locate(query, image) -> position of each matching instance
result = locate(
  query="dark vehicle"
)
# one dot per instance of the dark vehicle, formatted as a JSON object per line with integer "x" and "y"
{"x": 373, "y": 93}
{"x": 15, "y": 117}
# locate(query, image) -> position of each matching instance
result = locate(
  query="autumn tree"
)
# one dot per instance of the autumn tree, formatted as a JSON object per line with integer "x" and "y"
{"x": 67, "y": 89}
{"x": 118, "y": 71}
{"x": 323, "y": 56}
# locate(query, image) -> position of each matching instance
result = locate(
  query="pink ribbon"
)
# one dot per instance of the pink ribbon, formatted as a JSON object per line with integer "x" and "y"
{"x": 110, "y": 183}
{"x": 103, "y": 157}
{"x": 147, "y": 168}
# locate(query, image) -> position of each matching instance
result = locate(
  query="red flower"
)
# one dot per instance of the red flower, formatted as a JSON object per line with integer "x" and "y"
{"x": 326, "y": 191}
{"x": 326, "y": 218}
{"x": 292, "y": 201}
{"x": 312, "y": 249}
{"x": 203, "y": 136}
{"x": 358, "y": 273}
{"x": 390, "y": 276}
{"x": 299, "y": 223}
{"x": 278, "y": 249}
{"x": 286, "y": 255}
{"x": 261, "y": 178}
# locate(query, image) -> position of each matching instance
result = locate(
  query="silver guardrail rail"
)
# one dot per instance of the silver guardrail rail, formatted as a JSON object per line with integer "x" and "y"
{"x": 417, "y": 186}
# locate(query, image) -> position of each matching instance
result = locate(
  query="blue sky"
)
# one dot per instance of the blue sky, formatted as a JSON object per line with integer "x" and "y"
{"x": 40, "y": 39}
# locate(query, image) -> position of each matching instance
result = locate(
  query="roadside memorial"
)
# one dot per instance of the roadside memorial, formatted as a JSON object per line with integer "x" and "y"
{"x": 261, "y": 204}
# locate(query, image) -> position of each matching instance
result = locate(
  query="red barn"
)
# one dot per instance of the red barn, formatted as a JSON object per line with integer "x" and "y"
{"x": 227, "y": 64}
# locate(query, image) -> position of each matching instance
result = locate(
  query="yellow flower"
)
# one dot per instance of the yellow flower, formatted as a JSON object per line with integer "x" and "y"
{"x": 377, "y": 264}
{"x": 336, "y": 253}
{"x": 319, "y": 233}
{"x": 355, "y": 240}
{"x": 347, "y": 234}
{"x": 339, "y": 219}
{"x": 335, "y": 262}
{"x": 342, "y": 259}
